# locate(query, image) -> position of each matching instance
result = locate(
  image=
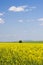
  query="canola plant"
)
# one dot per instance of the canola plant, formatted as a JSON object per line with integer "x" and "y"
{"x": 21, "y": 54}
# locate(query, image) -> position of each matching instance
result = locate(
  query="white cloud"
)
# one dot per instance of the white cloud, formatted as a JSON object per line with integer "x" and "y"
{"x": 40, "y": 19}
{"x": 21, "y": 8}
{"x": 17, "y": 9}
{"x": 1, "y": 14}
{"x": 1, "y": 21}
{"x": 20, "y": 21}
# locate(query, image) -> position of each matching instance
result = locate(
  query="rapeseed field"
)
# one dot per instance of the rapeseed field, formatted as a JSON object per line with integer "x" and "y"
{"x": 21, "y": 53}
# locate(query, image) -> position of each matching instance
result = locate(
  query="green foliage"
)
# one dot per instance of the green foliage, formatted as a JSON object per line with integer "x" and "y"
{"x": 20, "y": 41}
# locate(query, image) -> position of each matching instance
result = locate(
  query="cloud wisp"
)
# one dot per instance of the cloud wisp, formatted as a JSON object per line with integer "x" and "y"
{"x": 40, "y": 19}
{"x": 41, "y": 24}
{"x": 2, "y": 21}
{"x": 1, "y": 14}
{"x": 20, "y": 20}
{"x": 31, "y": 8}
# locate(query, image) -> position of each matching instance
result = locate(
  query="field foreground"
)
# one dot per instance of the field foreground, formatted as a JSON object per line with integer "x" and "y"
{"x": 21, "y": 54}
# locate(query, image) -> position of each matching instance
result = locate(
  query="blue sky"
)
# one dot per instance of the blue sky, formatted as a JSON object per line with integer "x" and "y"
{"x": 21, "y": 20}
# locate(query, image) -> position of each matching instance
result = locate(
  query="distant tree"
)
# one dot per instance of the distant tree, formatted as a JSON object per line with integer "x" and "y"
{"x": 20, "y": 41}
